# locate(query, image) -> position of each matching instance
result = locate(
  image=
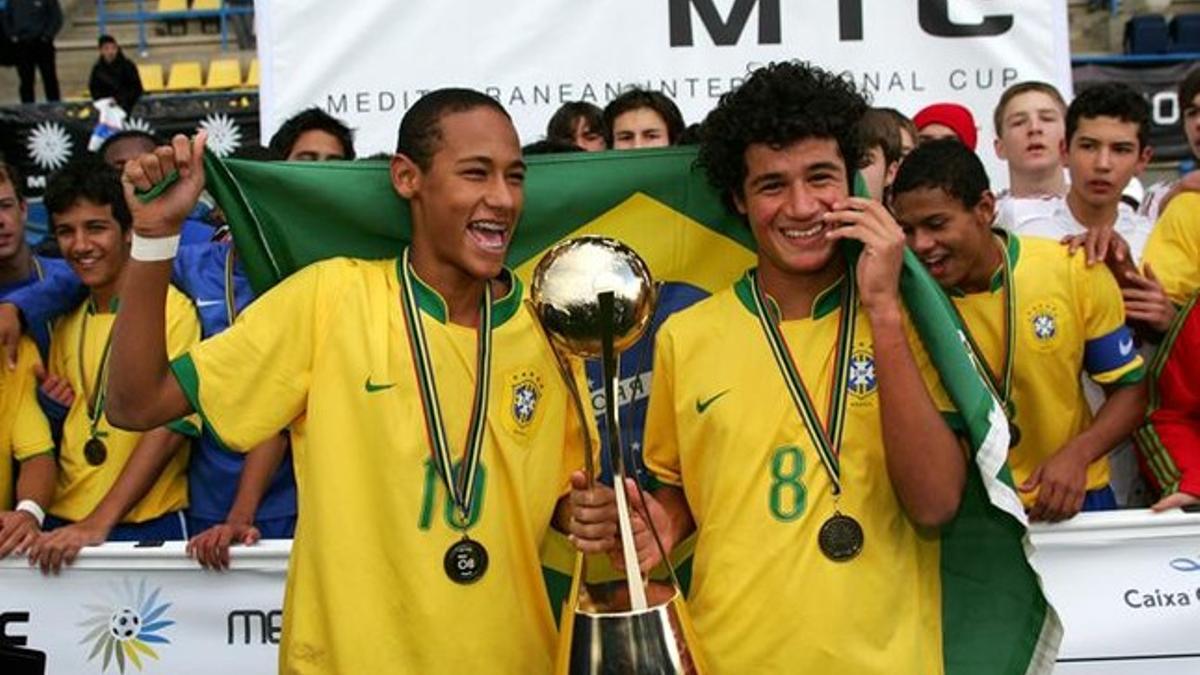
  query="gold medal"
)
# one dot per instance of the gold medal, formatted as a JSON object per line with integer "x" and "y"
{"x": 841, "y": 538}
{"x": 95, "y": 452}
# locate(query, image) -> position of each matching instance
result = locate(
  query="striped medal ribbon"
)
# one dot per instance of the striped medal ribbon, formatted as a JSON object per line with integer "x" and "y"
{"x": 1002, "y": 390}
{"x": 840, "y": 537}
{"x": 94, "y": 449}
{"x": 466, "y": 560}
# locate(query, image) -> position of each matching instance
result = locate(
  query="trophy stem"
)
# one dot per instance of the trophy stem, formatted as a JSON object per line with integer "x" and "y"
{"x": 616, "y": 455}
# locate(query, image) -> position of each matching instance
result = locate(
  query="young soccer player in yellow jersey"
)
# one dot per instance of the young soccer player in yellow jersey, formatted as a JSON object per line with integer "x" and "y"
{"x": 388, "y": 373}
{"x": 1038, "y": 316}
{"x": 1173, "y": 250}
{"x": 91, "y": 223}
{"x": 800, "y": 378}
{"x": 25, "y": 443}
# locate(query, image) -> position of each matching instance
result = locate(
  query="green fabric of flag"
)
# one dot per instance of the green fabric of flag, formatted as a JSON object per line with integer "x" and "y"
{"x": 996, "y": 619}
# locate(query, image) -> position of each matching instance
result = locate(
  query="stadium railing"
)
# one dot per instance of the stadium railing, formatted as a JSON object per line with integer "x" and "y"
{"x": 142, "y": 16}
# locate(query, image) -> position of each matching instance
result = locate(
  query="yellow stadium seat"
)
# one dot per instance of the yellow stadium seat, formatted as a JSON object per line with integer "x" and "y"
{"x": 184, "y": 76}
{"x": 205, "y": 5}
{"x": 252, "y": 75}
{"x": 152, "y": 76}
{"x": 172, "y": 5}
{"x": 224, "y": 74}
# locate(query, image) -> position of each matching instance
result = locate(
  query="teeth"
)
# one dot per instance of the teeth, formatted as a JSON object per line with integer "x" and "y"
{"x": 792, "y": 233}
{"x": 488, "y": 226}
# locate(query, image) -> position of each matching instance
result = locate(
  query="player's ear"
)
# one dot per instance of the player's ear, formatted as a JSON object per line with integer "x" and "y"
{"x": 406, "y": 176}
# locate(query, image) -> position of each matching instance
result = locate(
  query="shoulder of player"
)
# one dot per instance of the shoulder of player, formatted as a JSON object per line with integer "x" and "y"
{"x": 333, "y": 278}
{"x": 704, "y": 315}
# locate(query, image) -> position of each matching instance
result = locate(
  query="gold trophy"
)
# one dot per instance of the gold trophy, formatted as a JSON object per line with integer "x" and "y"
{"x": 594, "y": 297}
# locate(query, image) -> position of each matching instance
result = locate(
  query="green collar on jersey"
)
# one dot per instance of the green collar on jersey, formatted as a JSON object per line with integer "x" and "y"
{"x": 826, "y": 302}
{"x": 432, "y": 303}
{"x": 1014, "y": 252}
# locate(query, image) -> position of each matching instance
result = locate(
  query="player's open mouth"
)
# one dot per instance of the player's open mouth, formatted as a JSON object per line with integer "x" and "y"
{"x": 1035, "y": 147}
{"x": 936, "y": 264}
{"x": 803, "y": 233}
{"x": 489, "y": 235}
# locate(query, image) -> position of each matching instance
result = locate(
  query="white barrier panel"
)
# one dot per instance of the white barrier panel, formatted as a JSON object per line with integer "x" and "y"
{"x": 367, "y": 61}
{"x": 1127, "y": 586}
{"x": 124, "y": 609}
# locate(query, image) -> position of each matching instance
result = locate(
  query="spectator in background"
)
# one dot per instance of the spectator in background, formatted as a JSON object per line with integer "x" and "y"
{"x": 132, "y": 143}
{"x": 640, "y": 118}
{"x": 579, "y": 123}
{"x": 114, "y": 76}
{"x": 1161, "y": 193}
{"x": 908, "y": 130}
{"x": 313, "y": 135}
{"x": 32, "y": 25}
{"x": 1169, "y": 441}
{"x": 879, "y": 139}
{"x": 549, "y": 146}
{"x": 946, "y": 120}
{"x": 1031, "y": 138}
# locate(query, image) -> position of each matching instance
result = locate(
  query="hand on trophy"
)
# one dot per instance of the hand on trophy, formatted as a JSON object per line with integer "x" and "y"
{"x": 593, "y": 527}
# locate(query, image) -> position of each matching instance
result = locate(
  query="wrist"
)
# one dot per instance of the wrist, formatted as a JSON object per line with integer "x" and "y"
{"x": 884, "y": 313}
{"x": 154, "y": 249}
{"x": 239, "y": 518}
{"x": 33, "y": 510}
{"x": 157, "y": 229}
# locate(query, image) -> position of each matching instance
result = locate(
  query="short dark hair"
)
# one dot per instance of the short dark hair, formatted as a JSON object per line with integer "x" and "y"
{"x": 1188, "y": 88}
{"x": 9, "y": 173}
{"x": 635, "y": 99}
{"x": 903, "y": 122}
{"x": 944, "y": 164}
{"x": 311, "y": 119}
{"x": 106, "y": 39}
{"x": 1024, "y": 88}
{"x": 779, "y": 104}
{"x": 878, "y": 128}
{"x": 420, "y": 129}
{"x": 1110, "y": 99}
{"x": 87, "y": 177}
{"x": 562, "y": 123}
{"x": 127, "y": 134}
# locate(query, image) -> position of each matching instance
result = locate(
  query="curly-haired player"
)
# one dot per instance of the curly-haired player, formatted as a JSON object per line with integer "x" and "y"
{"x": 795, "y": 422}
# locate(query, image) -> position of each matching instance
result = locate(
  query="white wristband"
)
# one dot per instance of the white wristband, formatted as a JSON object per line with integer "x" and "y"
{"x": 154, "y": 249}
{"x": 31, "y": 507}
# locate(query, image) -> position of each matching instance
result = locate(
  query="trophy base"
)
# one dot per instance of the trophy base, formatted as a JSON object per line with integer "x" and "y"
{"x": 652, "y": 641}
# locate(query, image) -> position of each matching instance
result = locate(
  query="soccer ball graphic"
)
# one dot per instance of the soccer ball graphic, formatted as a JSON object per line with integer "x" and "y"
{"x": 124, "y": 624}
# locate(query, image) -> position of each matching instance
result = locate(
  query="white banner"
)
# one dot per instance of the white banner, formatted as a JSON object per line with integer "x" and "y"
{"x": 1126, "y": 584}
{"x": 367, "y": 61}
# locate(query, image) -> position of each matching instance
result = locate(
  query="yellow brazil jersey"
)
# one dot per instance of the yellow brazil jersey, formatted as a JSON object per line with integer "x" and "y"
{"x": 24, "y": 432}
{"x": 1173, "y": 251}
{"x": 326, "y": 352}
{"x": 84, "y": 334}
{"x": 1069, "y": 318}
{"x": 721, "y": 424}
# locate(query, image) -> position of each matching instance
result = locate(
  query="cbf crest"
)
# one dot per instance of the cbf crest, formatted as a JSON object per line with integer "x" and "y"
{"x": 525, "y": 392}
{"x": 860, "y": 382}
{"x": 1042, "y": 324}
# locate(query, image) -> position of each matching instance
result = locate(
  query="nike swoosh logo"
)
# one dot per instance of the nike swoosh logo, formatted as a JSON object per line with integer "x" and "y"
{"x": 372, "y": 388}
{"x": 701, "y": 406}
{"x": 208, "y": 303}
{"x": 1126, "y": 346}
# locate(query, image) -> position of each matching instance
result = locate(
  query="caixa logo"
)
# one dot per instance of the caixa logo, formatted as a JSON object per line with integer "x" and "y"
{"x": 1186, "y": 564}
{"x": 933, "y": 16}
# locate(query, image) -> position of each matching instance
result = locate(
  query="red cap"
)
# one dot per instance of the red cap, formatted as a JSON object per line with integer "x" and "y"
{"x": 952, "y": 115}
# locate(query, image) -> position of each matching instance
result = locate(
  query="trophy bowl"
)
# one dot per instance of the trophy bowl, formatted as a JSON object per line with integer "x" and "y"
{"x": 566, "y": 285}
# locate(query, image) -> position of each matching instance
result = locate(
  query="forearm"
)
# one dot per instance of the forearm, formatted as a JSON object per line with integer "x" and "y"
{"x": 680, "y": 523}
{"x": 925, "y": 462}
{"x": 149, "y": 458}
{"x": 257, "y": 472}
{"x": 36, "y": 480}
{"x": 142, "y": 392}
{"x": 1123, "y": 410}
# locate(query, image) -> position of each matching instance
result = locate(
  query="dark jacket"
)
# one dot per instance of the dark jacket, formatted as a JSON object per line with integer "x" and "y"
{"x": 29, "y": 20}
{"x": 118, "y": 79}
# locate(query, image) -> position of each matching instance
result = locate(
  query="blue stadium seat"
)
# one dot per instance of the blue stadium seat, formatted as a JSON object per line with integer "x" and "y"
{"x": 1185, "y": 33}
{"x": 1146, "y": 34}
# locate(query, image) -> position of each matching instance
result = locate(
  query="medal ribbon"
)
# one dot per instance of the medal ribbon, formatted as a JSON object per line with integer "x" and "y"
{"x": 95, "y": 399}
{"x": 461, "y": 490}
{"x": 1001, "y": 390}
{"x": 826, "y": 439}
{"x": 41, "y": 276}
{"x": 230, "y": 304}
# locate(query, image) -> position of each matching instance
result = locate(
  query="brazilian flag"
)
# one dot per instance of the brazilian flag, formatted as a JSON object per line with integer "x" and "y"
{"x": 284, "y": 216}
